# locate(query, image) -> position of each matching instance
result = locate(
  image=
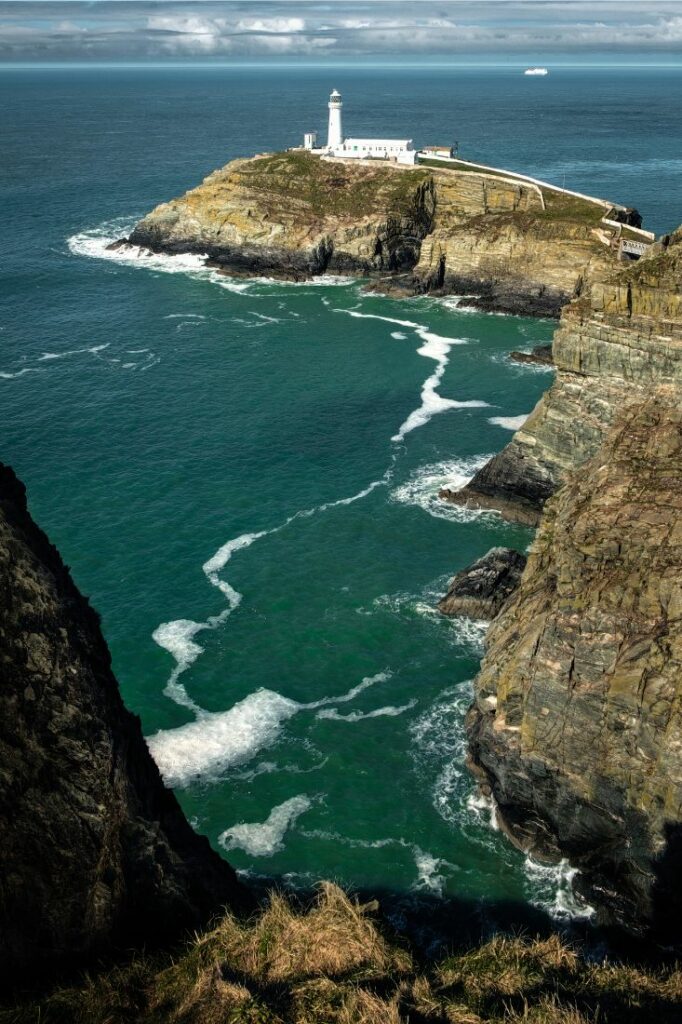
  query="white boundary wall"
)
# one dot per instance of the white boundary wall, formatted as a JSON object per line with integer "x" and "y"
{"x": 545, "y": 184}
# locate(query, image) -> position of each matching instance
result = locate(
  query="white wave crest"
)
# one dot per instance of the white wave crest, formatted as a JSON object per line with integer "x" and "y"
{"x": 429, "y": 872}
{"x": 93, "y": 350}
{"x": 95, "y": 243}
{"x": 18, "y": 373}
{"x": 509, "y": 422}
{"x": 263, "y": 839}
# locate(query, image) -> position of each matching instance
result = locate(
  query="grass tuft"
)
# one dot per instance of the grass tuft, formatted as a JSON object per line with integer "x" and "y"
{"x": 333, "y": 963}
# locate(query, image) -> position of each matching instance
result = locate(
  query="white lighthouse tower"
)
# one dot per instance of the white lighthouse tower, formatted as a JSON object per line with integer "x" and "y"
{"x": 335, "y": 135}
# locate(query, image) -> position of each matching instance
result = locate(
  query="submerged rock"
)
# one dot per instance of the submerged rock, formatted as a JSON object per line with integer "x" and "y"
{"x": 95, "y": 852}
{"x": 482, "y": 589}
{"x": 576, "y": 729}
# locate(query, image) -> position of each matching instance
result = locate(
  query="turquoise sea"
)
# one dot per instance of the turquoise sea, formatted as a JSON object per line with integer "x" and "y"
{"x": 242, "y": 474}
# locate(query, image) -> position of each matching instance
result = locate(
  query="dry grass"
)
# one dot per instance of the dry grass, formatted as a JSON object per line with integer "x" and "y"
{"x": 333, "y": 964}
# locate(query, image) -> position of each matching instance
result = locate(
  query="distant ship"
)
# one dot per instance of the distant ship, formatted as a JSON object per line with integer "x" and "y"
{"x": 536, "y": 71}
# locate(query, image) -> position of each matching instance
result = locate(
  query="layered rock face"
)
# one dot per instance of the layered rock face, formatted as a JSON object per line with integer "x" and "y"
{"x": 481, "y": 590}
{"x": 294, "y": 215}
{"x": 511, "y": 246}
{"x": 95, "y": 852}
{"x": 507, "y": 244}
{"x": 576, "y": 728}
{"x": 619, "y": 338}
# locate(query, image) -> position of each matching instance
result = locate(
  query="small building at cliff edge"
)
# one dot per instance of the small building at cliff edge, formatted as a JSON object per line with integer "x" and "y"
{"x": 399, "y": 150}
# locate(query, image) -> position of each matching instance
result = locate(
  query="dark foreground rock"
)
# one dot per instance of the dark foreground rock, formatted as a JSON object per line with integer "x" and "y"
{"x": 94, "y": 852}
{"x": 576, "y": 729}
{"x": 482, "y": 589}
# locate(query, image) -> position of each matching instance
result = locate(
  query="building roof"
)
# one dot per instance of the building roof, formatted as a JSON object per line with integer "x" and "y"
{"x": 378, "y": 142}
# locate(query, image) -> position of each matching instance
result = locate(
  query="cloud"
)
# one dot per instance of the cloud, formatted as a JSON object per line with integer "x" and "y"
{"x": 267, "y": 29}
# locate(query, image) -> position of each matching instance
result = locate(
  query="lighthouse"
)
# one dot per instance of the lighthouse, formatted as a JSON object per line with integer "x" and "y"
{"x": 335, "y": 136}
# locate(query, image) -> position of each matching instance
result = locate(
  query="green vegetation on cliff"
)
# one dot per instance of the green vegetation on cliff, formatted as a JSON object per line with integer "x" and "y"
{"x": 327, "y": 187}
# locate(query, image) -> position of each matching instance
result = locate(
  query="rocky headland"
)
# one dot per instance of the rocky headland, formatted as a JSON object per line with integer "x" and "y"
{"x": 96, "y": 854}
{"x": 505, "y": 243}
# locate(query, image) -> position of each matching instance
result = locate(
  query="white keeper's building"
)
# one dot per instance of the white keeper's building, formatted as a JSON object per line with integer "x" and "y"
{"x": 399, "y": 150}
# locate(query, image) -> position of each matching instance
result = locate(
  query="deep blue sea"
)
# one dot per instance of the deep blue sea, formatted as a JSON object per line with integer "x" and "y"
{"x": 242, "y": 474}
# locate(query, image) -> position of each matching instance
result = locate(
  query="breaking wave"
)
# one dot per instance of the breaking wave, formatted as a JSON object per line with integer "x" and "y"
{"x": 550, "y": 887}
{"x": 423, "y": 485}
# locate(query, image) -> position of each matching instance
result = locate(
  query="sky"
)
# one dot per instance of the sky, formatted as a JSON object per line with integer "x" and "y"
{"x": 337, "y": 31}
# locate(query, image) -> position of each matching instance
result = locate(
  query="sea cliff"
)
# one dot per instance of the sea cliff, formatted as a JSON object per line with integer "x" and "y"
{"x": 95, "y": 854}
{"x": 619, "y": 338}
{"x": 576, "y": 728}
{"x": 507, "y": 244}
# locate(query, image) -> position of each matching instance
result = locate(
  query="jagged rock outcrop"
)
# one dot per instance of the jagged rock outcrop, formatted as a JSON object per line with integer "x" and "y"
{"x": 576, "y": 729}
{"x": 95, "y": 852}
{"x": 617, "y": 340}
{"x": 482, "y": 589}
{"x": 539, "y": 354}
{"x": 507, "y": 244}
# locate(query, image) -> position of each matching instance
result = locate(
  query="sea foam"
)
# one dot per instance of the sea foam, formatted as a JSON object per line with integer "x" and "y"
{"x": 263, "y": 839}
{"x": 436, "y": 347}
{"x": 551, "y": 889}
{"x": 422, "y": 487}
{"x": 509, "y": 422}
{"x": 206, "y": 748}
{"x": 177, "y": 636}
{"x": 359, "y": 716}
